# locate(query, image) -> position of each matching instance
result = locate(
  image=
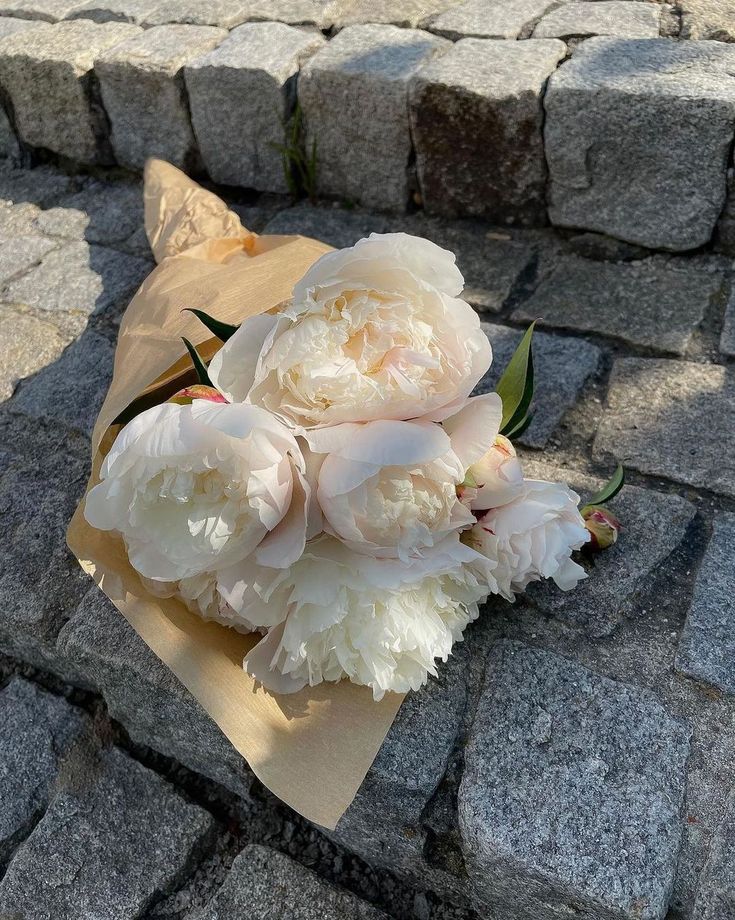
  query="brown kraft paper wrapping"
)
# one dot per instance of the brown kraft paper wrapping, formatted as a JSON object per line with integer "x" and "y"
{"x": 312, "y": 748}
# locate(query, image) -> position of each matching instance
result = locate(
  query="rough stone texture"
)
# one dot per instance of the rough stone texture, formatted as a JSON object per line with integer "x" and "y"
{"x": 337, "y": 227}
{"x": 408, "y": 14}
{"x": 716, "y": 892}
{"x": 408, "y": 769}
{"x": 562, "y": 366}
{"x": 477, "y": 117}
{"x": 653, "y": 526}
{"x": 142, "y": 85}
{"x": 115, "y": 10}
{"x": 724, "y": 240}
{"x": 42, "y": 10}
{"x": 115, "y": 836}
{"x": 37, "y": 731}
{"x": 105, "y": 213}
{"x": 42, "y": 476}
{"x": 637, "y": 135}
{"x": 223, "y": 13}
{"x": 618, "y": 18}
{"x": 19, "y": 253}
{"x": 707, "y": 644}
{"x": 649, "y": 302}
{"x": 83, "y": 374}
{"x": 491, "y": 18}
{"x": 354, "y": 94}
{"x": 263, "y": 884}
{"x": 10, "y": 25}
{"x": 727, "y": 339}
{"x": 79, "y": 278}
{"x": 47, "y": 73}
{"x": 144, "y": 695}
{"x": 41, "y": 186}
{"x": 708, "y": 19}
{"x": 673, "y": 419}
{"x": 9, "y": 146}
{"x": 241, "y": 96}
{"x": 598, "y": 810}
{"x": 26, "y": 345}
{"x": 492, "y": 263}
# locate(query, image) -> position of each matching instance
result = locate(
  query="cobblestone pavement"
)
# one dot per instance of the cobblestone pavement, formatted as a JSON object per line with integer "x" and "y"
{"x": 577, "y": 755}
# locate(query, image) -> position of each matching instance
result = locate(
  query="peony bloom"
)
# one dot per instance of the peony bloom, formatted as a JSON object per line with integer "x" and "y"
{"x": 532, "y": 537}
{"x": 389, "y": 489}
{"x": 375, "y": 331}
{"x": 201, "y": 595}
{"x": 196, "y": 488}
{"x": 377, "y": 622}
{"x": 493, "y": 472}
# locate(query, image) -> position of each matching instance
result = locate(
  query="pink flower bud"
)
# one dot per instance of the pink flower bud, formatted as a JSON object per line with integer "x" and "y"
{"x": 186, "y": 396}
{"x": 602, "y": 525}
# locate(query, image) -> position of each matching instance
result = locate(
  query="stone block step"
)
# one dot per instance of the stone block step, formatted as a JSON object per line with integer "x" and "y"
{"x": 585, "y": 115}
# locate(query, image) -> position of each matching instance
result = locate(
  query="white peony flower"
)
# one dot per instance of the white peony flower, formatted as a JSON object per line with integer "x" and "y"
{"x": 532, "y": 537}
{"x": 493, "y": 471}
{"x": 201, "y": 595}
{"x": 375, "y": 331}
{"x": 377, "y": 622}
{"x": 196, "y": 488}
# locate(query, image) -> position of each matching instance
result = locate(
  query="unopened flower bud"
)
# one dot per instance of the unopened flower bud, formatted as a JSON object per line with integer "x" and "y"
{"x": 603, "y": 527}
{"x": 186, "y": 396}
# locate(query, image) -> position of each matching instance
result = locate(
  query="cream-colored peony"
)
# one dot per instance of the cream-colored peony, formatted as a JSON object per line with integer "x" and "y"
{"x": 376, "y": 622}
{"x": 388, "y": 489}
{"x": 196, "y": 488}
{"x": 201, "y": 595}
{"x": 532, "y": 537}
{"x": 375, "y": 331}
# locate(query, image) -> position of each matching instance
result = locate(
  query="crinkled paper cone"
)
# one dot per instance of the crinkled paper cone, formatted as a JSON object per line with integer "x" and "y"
{"x": 312, "y": 748}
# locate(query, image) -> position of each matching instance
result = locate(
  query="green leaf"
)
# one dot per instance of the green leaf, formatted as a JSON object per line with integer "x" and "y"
{"x": 515, "y": 387}
{"x": 610, "y": 490}
{"x": 518, "y": 430}
{"x": 199, "y": 366}
{"x": 223, "y": 331}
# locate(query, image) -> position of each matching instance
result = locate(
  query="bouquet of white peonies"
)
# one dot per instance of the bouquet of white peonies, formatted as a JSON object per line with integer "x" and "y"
{"x": 331, "y": 484}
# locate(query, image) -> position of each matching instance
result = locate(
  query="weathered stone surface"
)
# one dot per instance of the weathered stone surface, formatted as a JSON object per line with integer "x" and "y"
{"x": 708, "y": 19}
{"x": 26, "y": 345}
{"x": 319, "y": 13}
{"x": 42, "y": 475}
{"x": 491, "y": 18}
{"x": 653, "y": 525}
{"x": 9, "y": 25}
{"x": 727, "y": 339}
{"x": 707, "y": 645}
{"x": 20, "y": 253}
{"x": 354, "y": 95}
{"x": 477, "y": 118}
{"x": 382, "y": 823}
{"x": 37, "y": 731}
{"x": 637, "y": 136}
{"x": 492, "y": 263}
{"x": 650, "y": 302}
{"x": 21, "y": 187}
{"x": 618, "y": 18}
{"x": 143, "y": 694}
{"x": 716, "y": 888}
{"x": 408, "y": 14}
{"x": 142, "y": 85}
{"x": 264, "y": 884}
{"x": 115, "y": 10}
{"x": 79, "y": 278}
{"x": 114, "y": 837}
{"x": 241, "y": 95}
{"x": 9, "y": 146}
{"x": 724, "y": 240}
{"x": 70, "y": 391}
{"x": 103, "y": 212}
{"x": 562, "y": 366}
{"x": 47, "y": 75}
{"x": 337, "y": 227}
{"x": 223, "y": 13}
{"x": 572, "y": 792}
{"x": 42, "y": 10}
{"x": 673, "y": 419}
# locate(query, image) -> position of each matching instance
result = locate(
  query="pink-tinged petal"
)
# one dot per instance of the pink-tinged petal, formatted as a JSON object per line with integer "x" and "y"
{"x": 285, "y": 543}
{"x": 472, "y": 430}
{"x": 232, "y": 370}
{"x": 187, "y": 396}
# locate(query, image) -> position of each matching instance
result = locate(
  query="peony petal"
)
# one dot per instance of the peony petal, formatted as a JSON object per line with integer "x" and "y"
{"x": 258, "y": 664}
{"x": 232, "y": 370}
{"x": 473, "y": 429}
